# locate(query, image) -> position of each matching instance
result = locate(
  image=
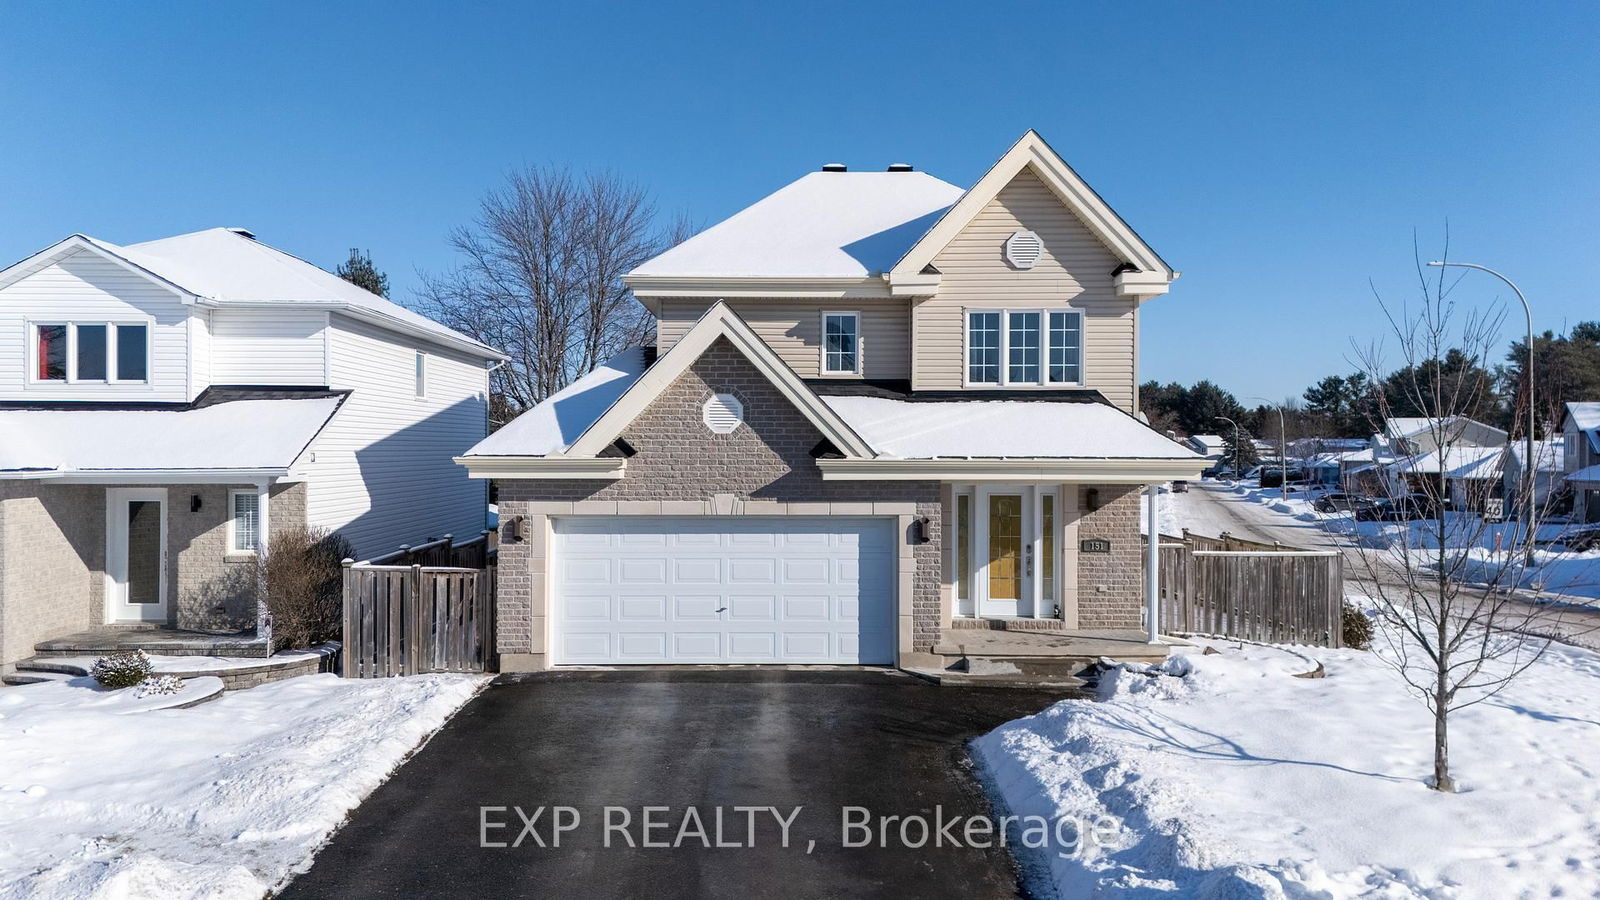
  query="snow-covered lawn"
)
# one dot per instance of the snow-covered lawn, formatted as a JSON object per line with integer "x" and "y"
{"x": 226, "y": 799}
{"x": 1240, "y": 780}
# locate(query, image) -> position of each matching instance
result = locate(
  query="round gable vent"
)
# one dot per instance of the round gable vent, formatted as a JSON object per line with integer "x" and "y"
{"x": 722, "y": 413}
{"x": 1023, "y": 249}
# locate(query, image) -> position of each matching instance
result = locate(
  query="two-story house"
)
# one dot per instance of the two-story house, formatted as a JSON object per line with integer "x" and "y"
{"x": 879, "y": 407}
{"x": 164, "y": 405}
{"x": 1580, "y": 433}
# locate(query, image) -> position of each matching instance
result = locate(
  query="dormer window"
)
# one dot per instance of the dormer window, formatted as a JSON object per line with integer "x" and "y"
{"x": 91, "y": 352}
{"x": 1024, "y": 347}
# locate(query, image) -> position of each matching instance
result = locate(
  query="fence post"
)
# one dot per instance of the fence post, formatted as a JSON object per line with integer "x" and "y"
{"x": 449, "y": 553}
{"x": 420, "y": 620}
{"x": 349, "y": 600}
{"x": 405, "y": 554}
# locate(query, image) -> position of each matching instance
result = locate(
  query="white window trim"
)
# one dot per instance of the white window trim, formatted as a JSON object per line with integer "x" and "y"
{"x": 233, "y": 549}
{"x": 419, "y": 375}
{"x": 1005, "y": 381}
{"x": 72, "y": 325}
{"x": 822, "y": 349}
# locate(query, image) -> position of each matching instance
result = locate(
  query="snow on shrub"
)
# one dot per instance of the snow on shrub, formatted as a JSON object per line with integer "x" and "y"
{"x": 125, "y": 668}
{"x": 160, "y": 684}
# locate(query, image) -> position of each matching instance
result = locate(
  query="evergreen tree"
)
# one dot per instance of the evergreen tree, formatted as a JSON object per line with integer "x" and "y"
{"x": 1243, "y": 454}
{"x": 1342, "y": 405}
{"x": 359, "y": 271}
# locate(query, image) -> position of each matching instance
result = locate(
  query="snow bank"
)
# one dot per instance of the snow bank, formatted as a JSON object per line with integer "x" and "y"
{"x": 1239, "y": 780}
{"x": 223, "y": 800}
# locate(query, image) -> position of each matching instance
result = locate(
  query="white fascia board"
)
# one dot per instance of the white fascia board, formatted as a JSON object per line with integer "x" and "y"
{"x": 602, "y": 468}
{"x": 1086, "y": 471}
{"x": 645, "y": 286}
{"x": 1142, "y": 284}
{"x": 167, "y": 476}
{"x": 916, "y": 285}
{"x": 1031, "y": 150}
{"x": 718, "y": 321}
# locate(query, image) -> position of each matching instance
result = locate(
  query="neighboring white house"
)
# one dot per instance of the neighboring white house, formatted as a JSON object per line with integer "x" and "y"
{"x": 1548, "y": 471}
{"x": 1580, "y": 431}
{"x": 1211, "y": 446}
{"x": 164, "y": 404}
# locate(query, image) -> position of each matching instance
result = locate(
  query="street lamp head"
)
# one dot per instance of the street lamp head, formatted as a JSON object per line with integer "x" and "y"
{"x": 1437, "y": 262}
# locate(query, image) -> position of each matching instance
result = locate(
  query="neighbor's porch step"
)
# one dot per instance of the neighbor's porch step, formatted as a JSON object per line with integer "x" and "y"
{"x": 155, "y": 641}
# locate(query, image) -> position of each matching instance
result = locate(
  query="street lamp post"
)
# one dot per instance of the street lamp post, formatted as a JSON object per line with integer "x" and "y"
{"x": 1236, "y": 464}
{"x": 1530, "y": 462}
{"x": 1283, "y": 446}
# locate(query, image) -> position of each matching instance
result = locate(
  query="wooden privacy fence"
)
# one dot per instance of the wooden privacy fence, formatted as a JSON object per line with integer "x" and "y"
{"x": 1283, "y": 595}
{"x": 407, "y": 620}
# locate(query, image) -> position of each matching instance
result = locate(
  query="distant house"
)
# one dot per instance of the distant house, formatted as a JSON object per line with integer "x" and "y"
{"x": 1580, "y": 433}
{"x": 1410, "y": 454}
{"x": 1307, "y": 447}
{"x": 1211, "y": 446}
{"x": 1549, "y": 470}
{"x": 166, "y": 406}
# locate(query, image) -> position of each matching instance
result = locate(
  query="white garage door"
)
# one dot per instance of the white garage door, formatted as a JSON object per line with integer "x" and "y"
{"x": 723, "y": 590}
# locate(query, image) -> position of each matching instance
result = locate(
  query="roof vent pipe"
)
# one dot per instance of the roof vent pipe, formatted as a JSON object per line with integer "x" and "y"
{"x": 900, "y": 167}
{"x": 835, "y": 167}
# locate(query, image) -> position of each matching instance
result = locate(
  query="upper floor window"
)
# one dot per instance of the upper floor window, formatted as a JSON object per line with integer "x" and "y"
{"x": 841, "y": 343}
{"x": 1025, "y": 347}
{"x": 79, "y": 352}
{"x": 422, "y": 375}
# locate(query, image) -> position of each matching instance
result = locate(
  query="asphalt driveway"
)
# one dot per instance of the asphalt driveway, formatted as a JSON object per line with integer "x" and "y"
{"x": 778, "y": 755}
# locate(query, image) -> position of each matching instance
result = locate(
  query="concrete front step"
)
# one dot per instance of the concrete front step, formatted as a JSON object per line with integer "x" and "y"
{"x": 235, "y": 673}
{"x": 1069, "y": 686}
{"x": 1001, "y": 623}
{"x": 154, "y": 641}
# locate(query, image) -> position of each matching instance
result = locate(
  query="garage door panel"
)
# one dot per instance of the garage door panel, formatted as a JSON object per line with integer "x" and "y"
{"x": 707, "y": 570}
{"x": 723, "y": 590}
{"x": 697, "y": 646}
{"x": 696, "y": 606}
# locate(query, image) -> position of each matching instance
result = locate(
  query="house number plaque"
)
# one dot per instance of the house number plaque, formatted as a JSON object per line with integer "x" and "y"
{"x": 1094, "y": 545}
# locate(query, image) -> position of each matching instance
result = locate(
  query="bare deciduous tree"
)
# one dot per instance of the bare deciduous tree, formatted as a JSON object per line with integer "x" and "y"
{"x": 541, "y": 278}
{"x": 1447, "y": 584}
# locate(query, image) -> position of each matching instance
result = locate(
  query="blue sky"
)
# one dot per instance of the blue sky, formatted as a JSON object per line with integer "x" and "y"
{"x": 1280, "y": 154}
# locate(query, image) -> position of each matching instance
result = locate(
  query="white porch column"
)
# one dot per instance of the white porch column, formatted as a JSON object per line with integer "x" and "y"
{"x": 263, "y": 533}
{"x": 1152, "y": 564}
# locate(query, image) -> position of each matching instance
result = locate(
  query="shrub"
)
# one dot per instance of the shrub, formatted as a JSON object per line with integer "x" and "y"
{"x": 305, "y": 578}
{"x": 1355, "y": 627}
{"x": 160, "y": 684}
{"x": 124, "y": 668}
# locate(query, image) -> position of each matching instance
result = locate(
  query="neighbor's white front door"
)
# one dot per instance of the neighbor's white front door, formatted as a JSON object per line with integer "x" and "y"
{"x": 136, "y": 555}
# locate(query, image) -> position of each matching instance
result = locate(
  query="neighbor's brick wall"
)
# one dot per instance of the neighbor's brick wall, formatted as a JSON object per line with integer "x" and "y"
{"x": 51, "y": 548}
{"x": 1110, "y": 585}
{"x": 766, "y": 458}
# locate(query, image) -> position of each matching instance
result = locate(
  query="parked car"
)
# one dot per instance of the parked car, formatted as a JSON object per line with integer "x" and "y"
{"x": 1582, "y": 540}
{"x": 1219, "y": 470}
{"x": 1339, "y": 501}
{"x": 1180, "y": 487}
{"x": 1399, "y": 509}
{"x": 1275, "y": 476}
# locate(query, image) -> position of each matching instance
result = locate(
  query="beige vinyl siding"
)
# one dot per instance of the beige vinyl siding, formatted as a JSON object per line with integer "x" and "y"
{"x": 1074, "y": 271}
{"x": 383, "y": 473}
{"x": 84, "y": 287}
{"x": 793, "y": 329}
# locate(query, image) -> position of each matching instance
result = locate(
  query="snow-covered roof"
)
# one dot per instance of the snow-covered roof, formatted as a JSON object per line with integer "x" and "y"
{"x": 1209, "y": 442}
{"x": 225, "y": 266}
{"x": 824, "y": 225}
{"x": 1002, "y": 429}
{"x": 1551, "y": 455}
{"x": 1590, "y": 475}
{"x": 1411, "y": 426}
{"x": 246, "y": 435}
{"x": 553, "y": 425}
{"x": 1585, "y": 415}
{"x": 1454, "y": 462}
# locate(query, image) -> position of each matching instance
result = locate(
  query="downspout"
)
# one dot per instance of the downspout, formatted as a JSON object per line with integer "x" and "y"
{"x": 1152, "y": 564}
